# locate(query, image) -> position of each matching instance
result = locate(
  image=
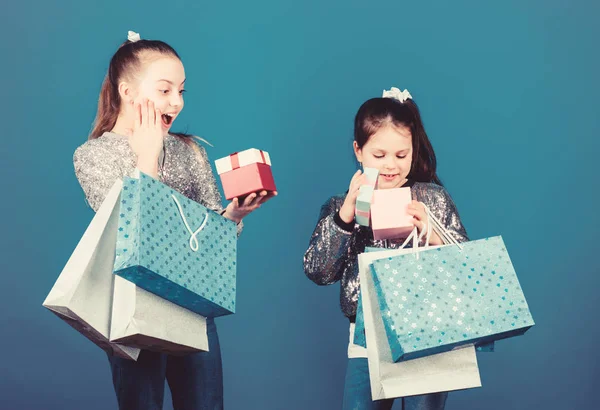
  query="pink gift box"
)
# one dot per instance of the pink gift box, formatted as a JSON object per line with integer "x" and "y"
{"x": 389, "y": 216}
{"x": 245, "y": 172}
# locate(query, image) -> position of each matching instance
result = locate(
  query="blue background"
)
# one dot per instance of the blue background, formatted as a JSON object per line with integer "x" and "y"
{"x": 509, "y": 94}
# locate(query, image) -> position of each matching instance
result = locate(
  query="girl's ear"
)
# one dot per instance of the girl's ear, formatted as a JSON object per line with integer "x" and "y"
{"x": 357, "y": 152}
{"x": 126, "y": 92}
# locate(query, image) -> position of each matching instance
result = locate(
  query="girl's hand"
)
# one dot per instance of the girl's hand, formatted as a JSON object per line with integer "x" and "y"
{"x": 421, "y": 221}
{"x": 236, "y": 211}
{"x": 347, "y": 209}
{"x": 146, "y": 137}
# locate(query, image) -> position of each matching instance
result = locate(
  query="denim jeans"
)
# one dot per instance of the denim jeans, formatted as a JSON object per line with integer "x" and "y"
{"x": 195, "y": 380}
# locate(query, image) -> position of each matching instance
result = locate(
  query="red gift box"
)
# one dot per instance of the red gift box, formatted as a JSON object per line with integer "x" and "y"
{"x": 245, "y": 172}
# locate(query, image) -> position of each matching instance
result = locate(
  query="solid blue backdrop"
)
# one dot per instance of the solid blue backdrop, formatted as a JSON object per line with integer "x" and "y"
{"x": 509, "y": 95}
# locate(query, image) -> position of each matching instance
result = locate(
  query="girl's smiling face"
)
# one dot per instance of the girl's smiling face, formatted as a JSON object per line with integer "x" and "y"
{"x": 390, "y": 151}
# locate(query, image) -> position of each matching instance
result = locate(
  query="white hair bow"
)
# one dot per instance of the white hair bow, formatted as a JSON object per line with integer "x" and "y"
{"x": 133, "y": 36}
{"x": 396, "y": 94}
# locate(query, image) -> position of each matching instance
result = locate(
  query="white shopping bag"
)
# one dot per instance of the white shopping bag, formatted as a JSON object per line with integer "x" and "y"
{"x": 454, "y": 370}
{"x": 82, "y": 295}
{"x": 147, "y": 321}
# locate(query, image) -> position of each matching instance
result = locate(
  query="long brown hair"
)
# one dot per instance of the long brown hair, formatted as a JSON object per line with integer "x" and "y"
{"x": 378, "y": 112}
{"x": 123, "y": 65}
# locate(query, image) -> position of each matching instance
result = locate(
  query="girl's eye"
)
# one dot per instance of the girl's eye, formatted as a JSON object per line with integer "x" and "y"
{"x": 401, "y": 156}
{"x": 378, "y": 156}
{"x": 164, "y": 91}
{"x": 182, "y": 92}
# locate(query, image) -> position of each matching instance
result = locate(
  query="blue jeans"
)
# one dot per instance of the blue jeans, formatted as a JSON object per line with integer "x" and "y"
{"x": 357, "y": 392}
{"x": 195, "y": 380}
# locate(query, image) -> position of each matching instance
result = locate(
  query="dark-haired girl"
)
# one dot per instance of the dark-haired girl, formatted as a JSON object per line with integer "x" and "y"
{"x": 389, "y": 136}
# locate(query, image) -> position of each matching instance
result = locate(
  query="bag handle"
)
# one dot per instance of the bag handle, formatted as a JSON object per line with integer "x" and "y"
{"x": 193, "y": 239}
{"x": 193, "y": 234}
{"x": 434, "y": 225}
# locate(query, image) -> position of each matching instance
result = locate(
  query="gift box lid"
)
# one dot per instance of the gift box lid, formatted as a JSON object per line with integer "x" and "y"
{"x": 365, "y": 195}
{"x": 364, "y": 198}
{"x": 393, "y": 197}
{"x": 240, "y": 159}
{"x": 372, "y": 174}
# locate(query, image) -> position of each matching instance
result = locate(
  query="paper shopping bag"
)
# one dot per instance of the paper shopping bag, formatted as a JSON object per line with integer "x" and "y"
{"x": 144, "y": 320}
{"x": 82, "y": 295}
{"x": 450, "y": 296}
{"x": 454, "y": 370}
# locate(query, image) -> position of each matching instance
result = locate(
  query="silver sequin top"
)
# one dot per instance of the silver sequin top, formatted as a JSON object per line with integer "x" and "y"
{"x": 332, "y": 254}
{"x": 101, "y": 161}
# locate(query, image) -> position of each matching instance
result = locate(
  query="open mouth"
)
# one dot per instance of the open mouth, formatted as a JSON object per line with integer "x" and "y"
{"x": 167, "y": 119}
{"x": 388, "y": 176}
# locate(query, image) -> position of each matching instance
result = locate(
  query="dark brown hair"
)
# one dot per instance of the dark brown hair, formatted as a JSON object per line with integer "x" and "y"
{"x": 378, "y": 112}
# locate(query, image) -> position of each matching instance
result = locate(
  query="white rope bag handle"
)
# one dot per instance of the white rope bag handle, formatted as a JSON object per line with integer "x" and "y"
{"x": 193, "y": 238}
{"x": 434, "y": 225}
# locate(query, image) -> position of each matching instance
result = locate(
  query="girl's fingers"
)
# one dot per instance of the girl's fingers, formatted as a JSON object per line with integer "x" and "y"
{"x": 414, "y": 204}
{"x": 360, "y": 181}
{"x": 356, "y": 175}
{"x": 268, "y": 196}
{"x": 421, "y": 216}
{"x": 151, "y": 114}
{"x": 256, "y": 201}
{"x": 354, "y": 193}
{"x": 262, "y": 197}
{"x": 137, "y": 122}
{"x": 158, "y": 118}
{"x": 249, "y": 199}
{"x": 145, "y": 104}
{"x": 418, "y": 207}
{"x": 418, "y": 224}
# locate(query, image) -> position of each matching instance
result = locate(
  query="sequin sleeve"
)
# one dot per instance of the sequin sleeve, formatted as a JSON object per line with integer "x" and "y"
{"x": 96, "y": 169}
{"x": 452, "y": 220}
{"x": 326, "y": 257}
{"x": 442, "y": 206}
{"x": 208, "y": 189}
